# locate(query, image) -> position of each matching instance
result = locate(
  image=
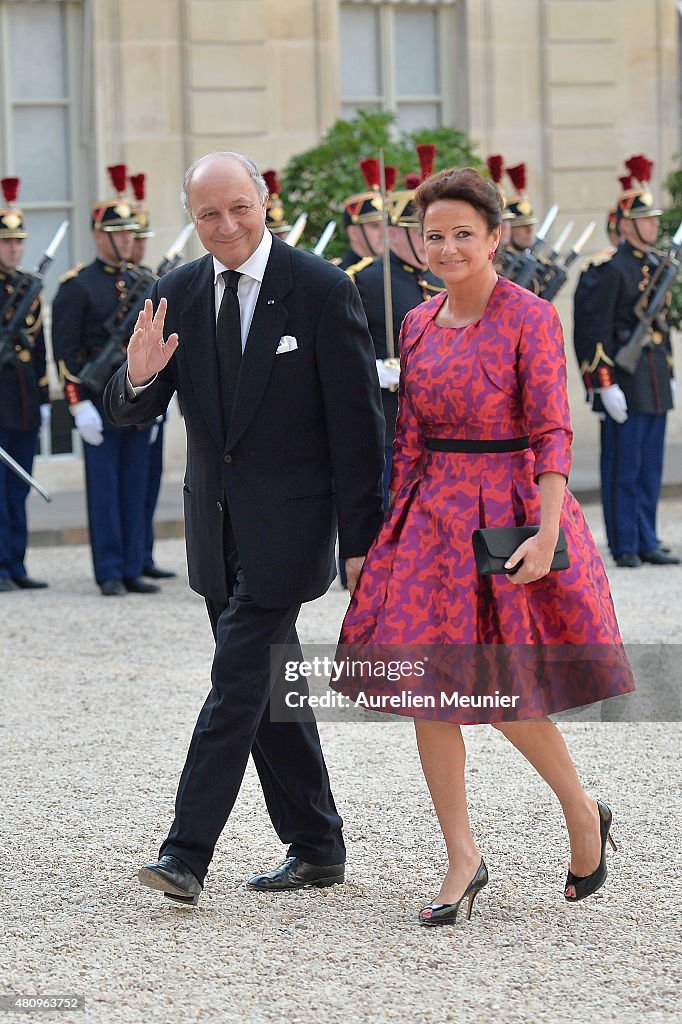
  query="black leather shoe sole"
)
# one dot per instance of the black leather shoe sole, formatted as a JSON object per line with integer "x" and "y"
{"x": 317, "y": 883}
{"x": 162, "y": 883}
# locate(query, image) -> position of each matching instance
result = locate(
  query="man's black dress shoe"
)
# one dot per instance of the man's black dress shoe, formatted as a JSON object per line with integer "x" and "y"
{"x": 173, "y": 878}
{"x": 659, "y": 557}
{"x": 26, "y": 583}
{"x": 112, "y": 588}
{"x": 295, "y": 873}
{"x": 136, "y": 585}
{"x": 152, "y": 572}
{"x": 6, "y": 584}
{"x": 628, "y": 560}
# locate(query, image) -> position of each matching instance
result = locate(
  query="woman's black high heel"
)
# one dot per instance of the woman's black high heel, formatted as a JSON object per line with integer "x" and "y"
{"x": 585, "y": 885}
{"x": 446, "y": 913}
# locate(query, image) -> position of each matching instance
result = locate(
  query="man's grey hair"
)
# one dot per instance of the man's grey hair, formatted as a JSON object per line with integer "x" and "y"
{"x": 248, "y": 164}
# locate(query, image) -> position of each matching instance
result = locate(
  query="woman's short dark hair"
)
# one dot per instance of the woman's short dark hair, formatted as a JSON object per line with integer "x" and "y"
{"x": 465, "y": 184}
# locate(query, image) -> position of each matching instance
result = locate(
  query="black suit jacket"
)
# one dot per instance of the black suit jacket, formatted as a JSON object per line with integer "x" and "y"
{"x": 304, "y": 449}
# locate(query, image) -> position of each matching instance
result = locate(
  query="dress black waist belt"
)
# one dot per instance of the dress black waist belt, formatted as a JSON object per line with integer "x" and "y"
{"x": 446, "y": 444}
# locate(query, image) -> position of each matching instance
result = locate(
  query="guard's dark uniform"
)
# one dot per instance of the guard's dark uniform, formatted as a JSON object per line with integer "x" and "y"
{"x": 350, "y": 259}
{"x": 410, "y": 286}
{"x": 631, "y": 452}
{"x": 519, "y": 212}
{"x": 23, "y": 389}
{"x": 116, "y": 471}
{"x": 155, "y": 471}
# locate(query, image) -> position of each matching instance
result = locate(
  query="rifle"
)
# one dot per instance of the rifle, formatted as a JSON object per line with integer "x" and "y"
{"x": 555, "y": 274}
{"x": 119, "y": 326}
{"x": 650, "y": 305}
{"x": 174, "y": 254}
{"x": 526, "y": 266}
{"x": 28, "y": 290}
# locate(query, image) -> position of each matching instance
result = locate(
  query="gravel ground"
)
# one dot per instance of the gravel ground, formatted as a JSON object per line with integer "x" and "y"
{"x": 99, "y": 698}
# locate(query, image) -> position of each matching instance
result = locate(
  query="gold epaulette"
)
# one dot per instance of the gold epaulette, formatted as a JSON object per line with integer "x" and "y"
{"x": 355, "y": 268}
{"x": 601, "y": 257}
{"x": 74, "y": 272}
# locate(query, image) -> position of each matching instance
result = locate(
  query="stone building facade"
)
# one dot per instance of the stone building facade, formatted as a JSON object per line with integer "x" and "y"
{"x": 572, "y": 87}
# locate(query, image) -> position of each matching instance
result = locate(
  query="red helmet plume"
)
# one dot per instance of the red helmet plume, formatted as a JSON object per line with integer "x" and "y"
{"x": 370, "y": 171}
{"x": 518, "y": 177}
{"x": 390, "y": 177}
{"x": 272, "y": 181}
{"x": 640, "y": 167}
{"x": 138, "y": 183}
{"x": 426, "y": 152}
{"x": 10, "y": 189}
{"x": 119, "y": 175}
{"x": 495, "y": 164}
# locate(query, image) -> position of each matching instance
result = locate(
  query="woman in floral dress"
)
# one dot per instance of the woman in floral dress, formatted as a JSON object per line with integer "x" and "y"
{"x": 483, "y": 440}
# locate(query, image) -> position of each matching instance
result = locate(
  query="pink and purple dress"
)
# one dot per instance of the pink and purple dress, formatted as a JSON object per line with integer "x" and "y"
{"x": 553, "y": 644}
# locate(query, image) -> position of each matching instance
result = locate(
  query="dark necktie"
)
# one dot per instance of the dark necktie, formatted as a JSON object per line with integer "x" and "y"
{"x": 229, "y": 343}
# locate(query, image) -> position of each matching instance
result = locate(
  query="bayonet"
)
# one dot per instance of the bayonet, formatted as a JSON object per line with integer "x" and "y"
{"x": 297, "y": 229}
{"x": 325, "y": 238}
{"x": 555, "y": 251}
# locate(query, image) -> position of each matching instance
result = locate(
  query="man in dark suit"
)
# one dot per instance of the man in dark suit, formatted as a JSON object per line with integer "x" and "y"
{"x": 269, "y": 352}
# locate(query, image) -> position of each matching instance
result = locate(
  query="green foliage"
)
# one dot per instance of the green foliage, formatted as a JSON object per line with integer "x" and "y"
{"x": 670, "y": 221}
{"x": 318, "y": 180}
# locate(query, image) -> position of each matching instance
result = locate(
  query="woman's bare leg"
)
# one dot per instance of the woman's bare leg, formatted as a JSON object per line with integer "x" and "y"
{"x": 544, "y": 747}
{"x": 443, "y": 756}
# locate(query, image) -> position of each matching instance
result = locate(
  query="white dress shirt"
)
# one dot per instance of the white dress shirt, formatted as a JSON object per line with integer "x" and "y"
{"x": 248, "y": 290}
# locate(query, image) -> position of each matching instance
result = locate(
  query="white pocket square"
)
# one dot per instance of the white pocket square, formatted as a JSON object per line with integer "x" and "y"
{"x": 286, "y": 344}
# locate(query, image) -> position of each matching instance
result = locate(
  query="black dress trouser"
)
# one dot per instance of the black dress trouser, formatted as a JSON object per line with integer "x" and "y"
{"x": 235, "y": 722}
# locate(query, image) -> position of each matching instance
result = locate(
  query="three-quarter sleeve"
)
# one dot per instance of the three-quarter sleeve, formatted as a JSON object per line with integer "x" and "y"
{"x": 542, "y": 377}
{"x": 408, "y": 444}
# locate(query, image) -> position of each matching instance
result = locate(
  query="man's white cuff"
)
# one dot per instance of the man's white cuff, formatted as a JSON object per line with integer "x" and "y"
{"x": 133, "y": 392}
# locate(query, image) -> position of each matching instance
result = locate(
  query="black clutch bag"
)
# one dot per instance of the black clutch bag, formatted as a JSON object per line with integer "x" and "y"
{"x": 493, "y": 547}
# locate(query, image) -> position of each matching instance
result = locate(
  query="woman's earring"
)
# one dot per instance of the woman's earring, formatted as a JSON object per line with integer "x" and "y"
{"x": 491, "y": 254}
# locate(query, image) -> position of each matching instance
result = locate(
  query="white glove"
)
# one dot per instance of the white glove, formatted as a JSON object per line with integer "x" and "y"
{"x": 389, "y": 376}
{"x": 45, "y": 414}
{"x": 673, "y": 391}
{"x": 88, "y": 422}
{"x": 614, "y": 402}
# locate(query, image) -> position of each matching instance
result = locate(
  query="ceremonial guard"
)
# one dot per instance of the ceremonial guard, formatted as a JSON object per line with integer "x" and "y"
{"x": 24, "y": 397}
{"x": 362, "y": 213}
{"x": 611, "y": 302}
{"x": 91, "y": 324}
{"x": 411, "y": 284}
{"x": 518, "y": 221}
{"x": 143, "y": 232}
{"x": 520, "y": 211}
